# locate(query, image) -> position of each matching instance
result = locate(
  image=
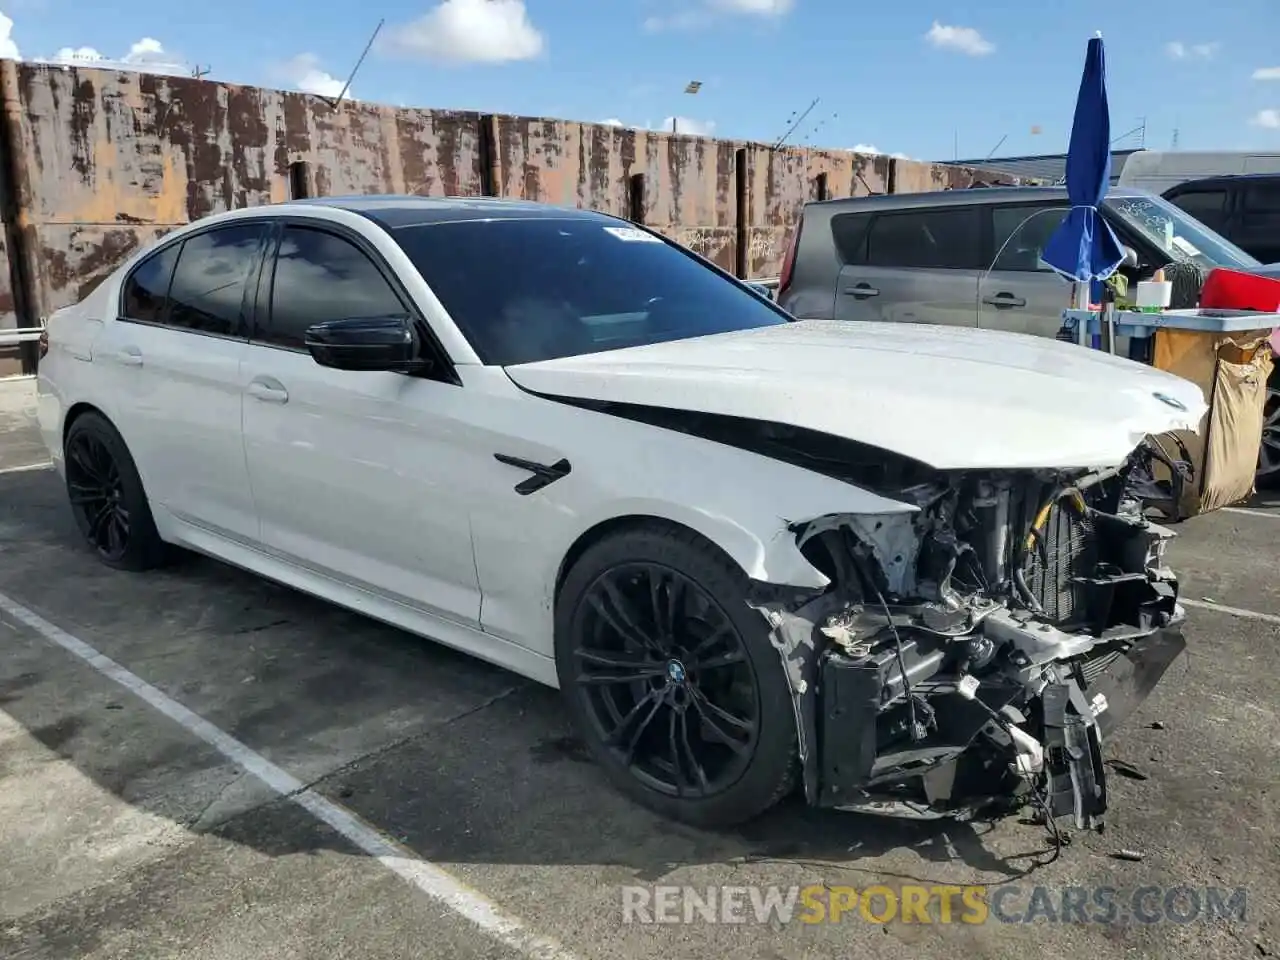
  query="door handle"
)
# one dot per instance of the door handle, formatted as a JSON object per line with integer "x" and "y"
{"x": 129, "y": 357}
{"x": 1003, "y": 301}
{"x": 861, "y": 291}
{"x": 272, "y": 392}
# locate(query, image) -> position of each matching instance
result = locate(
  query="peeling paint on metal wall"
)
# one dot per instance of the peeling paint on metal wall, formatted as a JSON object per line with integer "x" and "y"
{"x": 109, "y": 150}
{"x": 115, "y": 159}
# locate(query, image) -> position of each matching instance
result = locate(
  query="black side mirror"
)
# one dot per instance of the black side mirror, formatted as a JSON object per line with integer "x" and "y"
{"x": 366, "y": 343}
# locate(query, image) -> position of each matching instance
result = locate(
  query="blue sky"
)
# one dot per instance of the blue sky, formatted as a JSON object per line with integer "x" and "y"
{"x": 902, "y": 77}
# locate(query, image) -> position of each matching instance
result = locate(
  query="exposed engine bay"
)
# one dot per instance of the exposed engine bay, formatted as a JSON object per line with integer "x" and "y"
{"x": 972, "y": 654}
{"x": 975, "y": 653}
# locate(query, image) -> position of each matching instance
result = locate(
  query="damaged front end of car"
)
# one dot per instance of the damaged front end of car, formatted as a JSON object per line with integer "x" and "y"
{"x": 977, "y": 651}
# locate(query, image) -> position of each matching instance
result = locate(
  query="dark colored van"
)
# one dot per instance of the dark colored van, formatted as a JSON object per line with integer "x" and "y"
{"x": 1245, "y": 209}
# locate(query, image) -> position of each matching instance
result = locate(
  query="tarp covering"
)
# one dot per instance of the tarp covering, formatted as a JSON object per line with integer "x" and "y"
{"x": 1232, "y": 370}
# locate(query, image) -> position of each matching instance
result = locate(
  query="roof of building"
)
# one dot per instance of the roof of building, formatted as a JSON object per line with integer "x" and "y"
{"x": 1047, "y": 167}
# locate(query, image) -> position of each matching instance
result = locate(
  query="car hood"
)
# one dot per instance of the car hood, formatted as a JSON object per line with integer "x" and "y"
{"x": 950, "y": 397}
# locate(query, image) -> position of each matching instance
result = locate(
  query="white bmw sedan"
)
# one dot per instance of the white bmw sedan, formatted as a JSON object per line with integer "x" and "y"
{"x": 902, "y": 568}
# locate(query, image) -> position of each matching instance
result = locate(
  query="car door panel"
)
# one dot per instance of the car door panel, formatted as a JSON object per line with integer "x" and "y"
{"x": 917, "y": 265}
{"x": 364, "y": 476}
{"x": 907, "y": 295}
{"x": 1023, "y": 302}
{"x": 359, "y": 475}
{"x": 179, "y": 396}
{"x": 1018, "y": 294}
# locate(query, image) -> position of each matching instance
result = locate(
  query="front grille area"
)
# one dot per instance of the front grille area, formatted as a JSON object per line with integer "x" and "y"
{"x": 1065, "y": 551}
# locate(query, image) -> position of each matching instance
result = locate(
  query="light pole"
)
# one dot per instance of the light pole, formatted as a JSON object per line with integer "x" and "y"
{"x": 693, "y": 87}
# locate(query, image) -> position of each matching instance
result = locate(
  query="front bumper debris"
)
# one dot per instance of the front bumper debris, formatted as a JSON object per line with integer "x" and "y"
{"x": 987, "y": 745}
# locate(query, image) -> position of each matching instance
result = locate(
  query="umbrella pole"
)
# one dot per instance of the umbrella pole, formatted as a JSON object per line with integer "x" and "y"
{"x": 1080, "y": 301}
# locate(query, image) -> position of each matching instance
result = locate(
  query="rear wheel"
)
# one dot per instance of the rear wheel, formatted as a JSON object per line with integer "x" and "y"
{"x": 107, "y": 499}
{"x": 671, "y": 679}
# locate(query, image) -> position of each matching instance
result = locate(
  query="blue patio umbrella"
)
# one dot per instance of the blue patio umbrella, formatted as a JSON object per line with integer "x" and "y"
{"x": 1083, "y": 248}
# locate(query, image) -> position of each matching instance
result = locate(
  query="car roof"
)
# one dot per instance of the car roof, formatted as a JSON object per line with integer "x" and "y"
{"x": 1220, "y": 179}
{"x": 394, "y": 211}
{"x": 975, "y": 195}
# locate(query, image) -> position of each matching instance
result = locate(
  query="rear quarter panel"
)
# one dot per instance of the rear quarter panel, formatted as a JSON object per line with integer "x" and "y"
{"x": 68, "y": 375}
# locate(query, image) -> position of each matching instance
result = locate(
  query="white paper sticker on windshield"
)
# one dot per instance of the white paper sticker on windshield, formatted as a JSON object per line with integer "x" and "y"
{"x": 1185, "y": 247}
{"x": 632, "y": 235}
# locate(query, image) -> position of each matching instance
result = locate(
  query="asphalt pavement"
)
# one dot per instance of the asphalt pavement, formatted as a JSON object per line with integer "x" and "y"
{"x": 196, "y": 763}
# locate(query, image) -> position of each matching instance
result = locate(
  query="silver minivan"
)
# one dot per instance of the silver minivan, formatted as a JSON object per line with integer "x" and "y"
{"x": 970, "y": 257}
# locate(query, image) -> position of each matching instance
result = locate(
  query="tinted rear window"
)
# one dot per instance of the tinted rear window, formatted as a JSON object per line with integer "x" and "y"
{"x": 946, "y": 238}
{"x": 527, "y": 290}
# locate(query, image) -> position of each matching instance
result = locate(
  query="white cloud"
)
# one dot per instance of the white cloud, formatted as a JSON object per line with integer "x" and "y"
{"x": 690, "y": 127}
{"x": 1267, "y": 73}
{"x": 303, "y": 73}
{"x": 763, "y": 8}
{"x": 872, "y": 149}
{"x": 147, "y": 55}
{"x": 686, "y": 126}
{"x": 8, "y": 48}
{"x": 469, "y": 31}
{"x": 1178, "y": 50}
{"x": 964, "y": 40}
{"x": 694, "y": 16}
{"x": 1267, "y": 118}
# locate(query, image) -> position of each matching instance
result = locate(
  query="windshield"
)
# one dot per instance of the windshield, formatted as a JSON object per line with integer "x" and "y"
{"x": 537, "y": 289}
{"x": 1177, "y": 235}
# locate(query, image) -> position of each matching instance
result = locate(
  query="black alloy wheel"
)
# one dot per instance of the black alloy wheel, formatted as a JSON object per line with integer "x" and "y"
{"x": 96, "y": 488}
{"x": 107, "y": 498}
{"x": 664, "y": 676}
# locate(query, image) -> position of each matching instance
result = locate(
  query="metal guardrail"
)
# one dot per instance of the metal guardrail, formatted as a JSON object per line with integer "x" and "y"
{"x": 20, "y": 335}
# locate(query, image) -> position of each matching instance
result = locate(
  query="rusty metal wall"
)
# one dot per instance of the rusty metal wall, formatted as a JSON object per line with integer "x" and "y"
{"x": 102, "y": 161}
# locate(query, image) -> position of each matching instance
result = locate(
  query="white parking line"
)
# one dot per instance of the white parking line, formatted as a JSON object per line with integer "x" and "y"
{"x": 28, "y": 467}
{"x": 1253, "y": 512}
{"x": 1233, "y": 611}
{"x": 426, "y": 876}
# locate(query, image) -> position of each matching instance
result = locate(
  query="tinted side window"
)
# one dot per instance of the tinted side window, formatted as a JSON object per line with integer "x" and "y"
{"x": 1263, "y": 197}
{"x": 208, "y": 286}
{"x": 1207, "y": 206}
{"x": 320, "y": 277}
{"x": 930, "y": 239}
{"x": 1259, "y": 220}
{"x": 1260, "y": 209}
{"x": 849, "y": 232}
{"x": 1019, "y": 234}
{"x": 524, "y": 290}
{"x": 146, "y": 292}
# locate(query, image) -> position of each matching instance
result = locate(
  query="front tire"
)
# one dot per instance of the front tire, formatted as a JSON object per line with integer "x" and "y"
{"x": 671, "y": 680}
{"x": 107, "y": 498}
